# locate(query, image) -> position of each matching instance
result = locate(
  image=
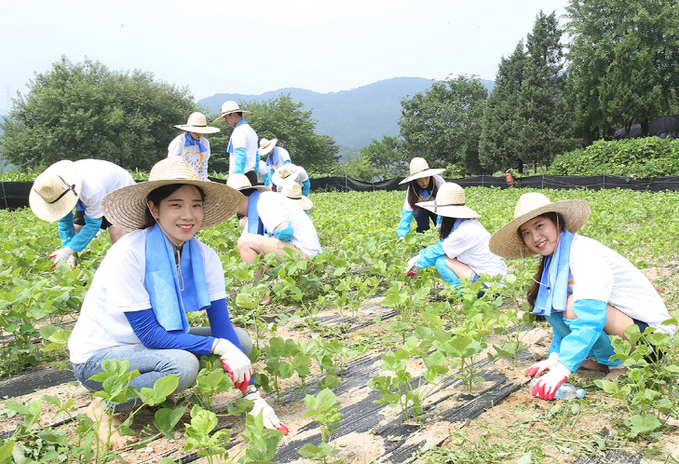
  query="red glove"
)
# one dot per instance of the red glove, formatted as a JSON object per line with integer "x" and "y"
{"x": 548, "y": 364}
{"x": 548, "y": 384}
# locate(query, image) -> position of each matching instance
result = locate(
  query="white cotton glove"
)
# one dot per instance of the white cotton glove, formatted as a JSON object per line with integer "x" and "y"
{"x": 548, "y": 384}
{"x": 412, "y": 268}
{"x": 72, "y": 261}
{"x": 235, "y": 363}
{"x": 62, "y": 255}
{"x": 548, "y": 364}
{"x": 271, "y": 420}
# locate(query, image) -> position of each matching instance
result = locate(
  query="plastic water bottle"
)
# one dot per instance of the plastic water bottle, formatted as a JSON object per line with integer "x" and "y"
{"x": 566, "y": 391}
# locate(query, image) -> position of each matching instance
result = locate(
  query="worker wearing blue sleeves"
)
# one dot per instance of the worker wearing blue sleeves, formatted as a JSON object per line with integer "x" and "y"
{"x": 82, "y": 185}
{"x": 423, "y": 184}
{"x": 585, "y": 290}
{"x": 242, "y": 148}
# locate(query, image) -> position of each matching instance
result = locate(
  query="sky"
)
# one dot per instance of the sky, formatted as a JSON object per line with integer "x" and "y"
{"x": 251, "y": 47}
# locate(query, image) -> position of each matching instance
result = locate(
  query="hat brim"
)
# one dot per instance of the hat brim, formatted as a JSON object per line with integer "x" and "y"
{"x": 505, "y": 242}
{"x": 198, "y": 129}
{"x": 126, "y": 207}
{"x": 221, "y": 116}
{"x": 282, "y": 182}
{"x": 463, "y": 212}
{"x": 259, "y": 187}
{"x": 52, "y": 212}
{"x": 269, "y": 148}
{"x": 421, "y": 174}
{"x": 305, "y": 203}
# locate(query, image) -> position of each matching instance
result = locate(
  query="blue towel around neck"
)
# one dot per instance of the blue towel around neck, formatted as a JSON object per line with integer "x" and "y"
{"x": 553, "y": 292}
{"x": 190, "y": 141}
{"x": 255, "y": 224}
{"x": 170, "y": 304}
{"x": 273, "y": 158}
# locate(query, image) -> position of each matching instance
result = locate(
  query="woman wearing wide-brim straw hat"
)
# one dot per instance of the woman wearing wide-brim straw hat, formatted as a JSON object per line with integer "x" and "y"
{"x": 462, "y": 251}
{"x": 135, "y": 309}
{"x": 192, "y": 145}
{"x": 585, "y": 290}
{"x": 423, "y": 184}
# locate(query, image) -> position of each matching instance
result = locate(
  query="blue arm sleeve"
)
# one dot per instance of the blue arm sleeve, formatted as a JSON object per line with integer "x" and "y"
{"x": 404, "y": 226}
{"x": 284, "y": 234}
{"x": 66, "y": 229}
{"x": 585, "y": 331}
{"x": 438, "y": 220}
{"x": 257, "y": 158}
{"x": 447, "y": 273}
{"x": 153, "y": 335}
{"x": 429, "y": 255}
{"x": 86, "y": 234}
{"x": 220, "y": 322}
{"x": 559, "y": 331}
{"x": 306, "y": 186}
{"x": 241, "y": 157}
{"x": 266, "y": 177}
{"x": 287, "y": 162}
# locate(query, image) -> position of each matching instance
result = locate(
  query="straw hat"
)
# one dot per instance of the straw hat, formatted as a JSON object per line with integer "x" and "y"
{"x": 285, "y": 175}
{"x": 449, "y": 203}
{"x": 294, "y": 192}
{"x": 418, "y": 169}
{"x": 230, "y": 107}
{"x": 507, "y": 243}
{"x": 266, "y": 146}
{"x": 126, "y": 207}
{"x": 55, "y": 192}
{"x": 241, "y": 182}
{"x": 198, "y": 124}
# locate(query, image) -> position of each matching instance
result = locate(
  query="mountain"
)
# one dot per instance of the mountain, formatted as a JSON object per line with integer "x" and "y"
{"x": 353, "y": 117}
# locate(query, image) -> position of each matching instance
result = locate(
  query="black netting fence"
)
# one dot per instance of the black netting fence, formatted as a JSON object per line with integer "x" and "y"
{"x": 14, "y": 195}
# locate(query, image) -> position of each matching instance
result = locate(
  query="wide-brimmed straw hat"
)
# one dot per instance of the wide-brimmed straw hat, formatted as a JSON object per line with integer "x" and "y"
{"x": 420, "y": 168}
{"x": 507, "y": 243}
{"x": 229, "y": 107}
{"x": 294, "y": 192}
{"x": 55, "y": 192}
{"x": 198, "y": 124}
{"x": 241, "y": 182}
{"x": 286, "y": 174}
{"x": 449, "y": 202}
{"x": 126, "y": 207}
{"x": 266, "y": 146}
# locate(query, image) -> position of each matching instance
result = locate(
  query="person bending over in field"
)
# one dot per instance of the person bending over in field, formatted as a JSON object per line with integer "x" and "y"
{"x": 135, "y": 308}
{"x": 423, "y": 184}
{"x": 585, "y": 290}
{"x": 462, "y": 251}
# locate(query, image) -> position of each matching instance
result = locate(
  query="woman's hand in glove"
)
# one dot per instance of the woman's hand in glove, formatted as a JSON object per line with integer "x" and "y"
{"x": 235, "y": 362}
{"x": 271, "y": 420}
{"x": 548, "y": 364}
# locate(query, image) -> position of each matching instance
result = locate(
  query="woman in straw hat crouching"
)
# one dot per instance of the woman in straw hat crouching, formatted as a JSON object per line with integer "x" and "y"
{"x": 462, "y": 251}
{"x": 192, "y": 145}
{"x": 585, "y": 290}
{"x": 135, "y": 308}
{"x": 423, "y": 184}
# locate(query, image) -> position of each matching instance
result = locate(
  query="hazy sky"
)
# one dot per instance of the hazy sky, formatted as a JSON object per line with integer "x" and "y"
{"x": 251, "y": 47}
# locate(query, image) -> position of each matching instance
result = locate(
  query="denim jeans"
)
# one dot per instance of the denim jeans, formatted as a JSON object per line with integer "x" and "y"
{"x": 422, "y": 217}
{"x": 152, "y": 364}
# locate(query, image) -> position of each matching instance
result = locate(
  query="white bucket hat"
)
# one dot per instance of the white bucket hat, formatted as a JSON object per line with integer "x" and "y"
{"x": 294, "y": 192}
{"x": 286, "y": 174}
{"x": 266, "y": 146}
{"x": 126, "y": 207}
{"x": 55, "y": 192}
{"x": 420, "y": 168}
{"x": 506, "y": 241}
{"x": 449, "y": 202}
{"x": 241, "y": 182}
{"x": 229, "y": 107}
{"x": 198, "y": 124}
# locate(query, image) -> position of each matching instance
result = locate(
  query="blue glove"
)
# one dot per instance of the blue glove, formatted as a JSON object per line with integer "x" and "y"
{"x": 446, "y": 273}
{"x": 241, "y": 157}
{"x": 284, "y": 234}
{"x": 404, "y": 226}
{"x": 306, "y": 186}
{"x": 429, "y": 255}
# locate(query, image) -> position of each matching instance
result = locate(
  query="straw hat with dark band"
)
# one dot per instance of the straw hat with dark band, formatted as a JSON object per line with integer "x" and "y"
{"x": 241, "y": 182}
{"x": 266, "y": 145}
{"x": 229, "y": 107}
{"x": 507, "y": 243}
{"x": 126, "y": 206}
{"x": 449, "y": 202}
{"x": 55, "y": 192}
{"x": 294, "y": 192}
{"x": 418, "y": 169}
{"x": 198, "y": 124}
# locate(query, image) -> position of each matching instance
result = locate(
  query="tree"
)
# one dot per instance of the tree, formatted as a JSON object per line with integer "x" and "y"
{"x": 443, "y": 123}
{"x": 283, "y": 119}
{"x": 596, "y": 27}
{"x": 385, "y": 156}
{"x": 84, "y": 110}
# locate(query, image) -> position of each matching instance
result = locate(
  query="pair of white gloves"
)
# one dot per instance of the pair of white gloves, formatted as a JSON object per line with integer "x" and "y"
{"x": 64, "y": 255}
{"x": 548, "y": 384}
{"x": 239, "y": 368}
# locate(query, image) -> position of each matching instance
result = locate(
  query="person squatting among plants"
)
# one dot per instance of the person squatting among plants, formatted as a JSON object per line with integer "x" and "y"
{"x": 423, "y": 184}
{"x": 289, "y": 174}
{"x": 462, "y": 251}
{"x": 276, "y": 157}
{"x": 191, "y": 145}
{"x": 585, "y": 290}
{"x": 82, "y": 185}
{"x": 135, "y": 308}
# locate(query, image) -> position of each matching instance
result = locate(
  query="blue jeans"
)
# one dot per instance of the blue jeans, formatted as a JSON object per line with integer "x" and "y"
{"x": 152, "y": 364}
{"x": 422, "y": 217}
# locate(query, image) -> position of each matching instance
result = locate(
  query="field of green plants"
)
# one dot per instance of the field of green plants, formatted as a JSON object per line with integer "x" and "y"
{"x": 348, "y": 326}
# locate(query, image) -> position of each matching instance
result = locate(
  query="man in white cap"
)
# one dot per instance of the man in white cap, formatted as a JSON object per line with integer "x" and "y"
{"x": 242, "y": 147}
{"x": 192, "y": 145}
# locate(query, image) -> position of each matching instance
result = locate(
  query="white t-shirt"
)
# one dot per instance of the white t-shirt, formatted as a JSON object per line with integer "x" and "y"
{"x": 274, "y": 209}
{"x": 243, "y": 136}
{"x": 118, "y": 287}
{"x": 599, "y": 273}
{"x": 282, "y": 155}
{"x": 191, "y": 154}
{"x": 438, "y": 180}
{"x": 262, "y": 171}
{"x": 99, "y": 178}
{"x": 469, "y": 244}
